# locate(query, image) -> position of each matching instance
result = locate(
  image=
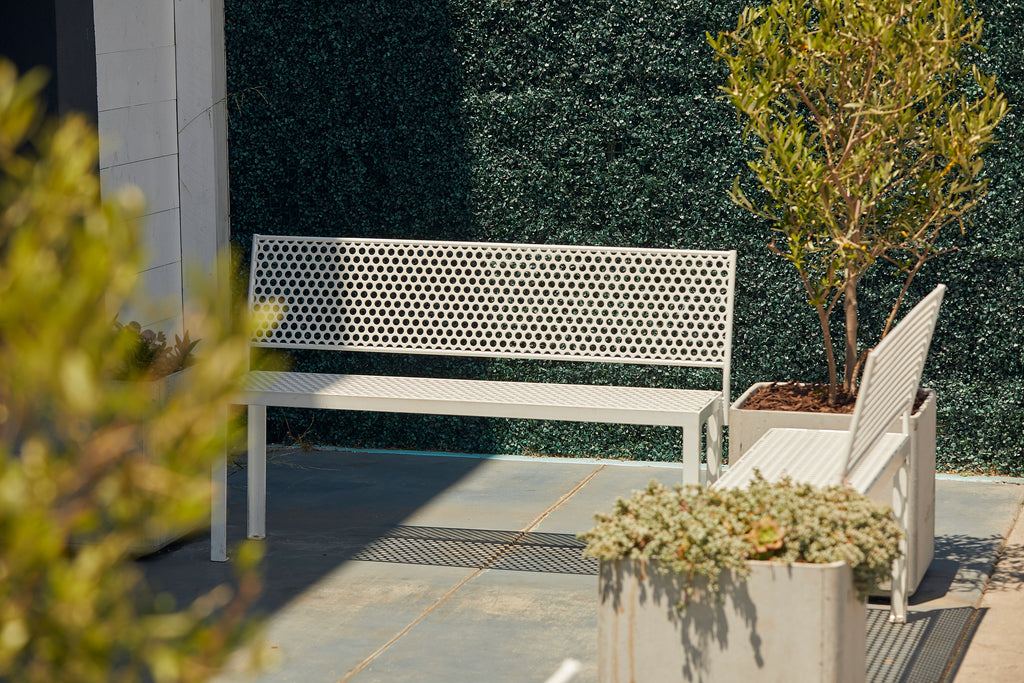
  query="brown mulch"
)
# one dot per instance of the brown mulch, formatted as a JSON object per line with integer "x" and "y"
{"x": 809, "y": 398}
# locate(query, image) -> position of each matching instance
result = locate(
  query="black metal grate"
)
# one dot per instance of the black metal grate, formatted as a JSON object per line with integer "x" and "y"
{"x": 915, "y": 652}
{"x": 542, "y": 552}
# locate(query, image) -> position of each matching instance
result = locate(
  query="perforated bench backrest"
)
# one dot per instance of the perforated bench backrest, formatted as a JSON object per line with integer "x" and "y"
{"x": 892, "y": 374}
{"x": 668, "y": 307}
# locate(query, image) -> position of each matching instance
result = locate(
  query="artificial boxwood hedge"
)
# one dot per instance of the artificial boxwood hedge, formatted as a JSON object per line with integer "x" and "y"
{"x": 584, "y": 122}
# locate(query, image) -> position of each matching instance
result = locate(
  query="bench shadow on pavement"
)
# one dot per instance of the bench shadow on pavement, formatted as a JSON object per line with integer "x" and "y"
{"x": 320, "y": 515}
{"x": 328, "y": 508}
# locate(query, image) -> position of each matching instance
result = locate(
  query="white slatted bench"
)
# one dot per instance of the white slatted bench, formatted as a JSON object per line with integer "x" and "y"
{"x": 865, "y": 457}
{"x": 596, "y": 304}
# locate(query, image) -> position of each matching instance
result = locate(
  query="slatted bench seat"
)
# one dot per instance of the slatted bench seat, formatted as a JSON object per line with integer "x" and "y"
{"x": 594, "y": 304}
{"x": 867, "y": 457}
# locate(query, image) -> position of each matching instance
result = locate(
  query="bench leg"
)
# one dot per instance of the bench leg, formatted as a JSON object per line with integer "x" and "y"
{"x": 901, "y": 507}
{"x": 691, "y": 451}
{"x": 257, "y": 471}
{"x": 714, "y": 447}
{"x": 219, "y": 510}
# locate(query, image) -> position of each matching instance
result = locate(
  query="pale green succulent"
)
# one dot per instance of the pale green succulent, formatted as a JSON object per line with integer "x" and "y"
{"x": 697, "y": 532}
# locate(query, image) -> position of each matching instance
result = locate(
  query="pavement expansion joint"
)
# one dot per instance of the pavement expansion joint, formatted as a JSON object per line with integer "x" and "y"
{"x": 490, "y": 546}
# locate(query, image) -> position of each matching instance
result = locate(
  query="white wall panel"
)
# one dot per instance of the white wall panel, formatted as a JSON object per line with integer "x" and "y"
{"x": 157, "y": 178}
{"x": 202, "y": 138}
{"x": 160, "y": 290}
{"x": 163, "y": 126}
{"x": 133, "y": 24}
{"x": 138, "y": 132}
{"x": 161, "y": 238}
{"x": 134, "y": 77}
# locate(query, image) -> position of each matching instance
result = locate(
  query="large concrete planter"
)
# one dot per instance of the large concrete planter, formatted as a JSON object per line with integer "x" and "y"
{"x": 747, "y": 426}
{"x": 800, "y": 622}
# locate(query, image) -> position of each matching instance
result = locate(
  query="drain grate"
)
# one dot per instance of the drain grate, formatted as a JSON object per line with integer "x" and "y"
{"x": 915, "y": 652}
{"x": 430, "y": 551}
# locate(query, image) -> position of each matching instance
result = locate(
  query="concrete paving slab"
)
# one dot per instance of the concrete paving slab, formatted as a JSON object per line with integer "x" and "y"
{"x": 404, "y": 567}
{"x": 501, "y": 626}
{"x": 502, "y": 494}
{"x": 994, "y": 652}
{"x": 361, "y": 604}
{"x": 975, "y": 518}
{"x": 609, "y": 482}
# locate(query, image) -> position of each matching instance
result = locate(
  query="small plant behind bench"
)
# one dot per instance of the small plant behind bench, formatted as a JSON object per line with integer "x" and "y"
{"x": 147, "y": 354}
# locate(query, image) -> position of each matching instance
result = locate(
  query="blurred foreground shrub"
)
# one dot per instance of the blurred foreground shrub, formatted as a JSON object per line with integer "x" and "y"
{"x": 77, "y": 493}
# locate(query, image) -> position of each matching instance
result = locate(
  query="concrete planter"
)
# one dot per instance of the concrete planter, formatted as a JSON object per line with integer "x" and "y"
{"x": 800, "y": 622}
{"x": 161, "y": 388}
{"x": 158, "y": 391}
{"x": 747, "y": 426}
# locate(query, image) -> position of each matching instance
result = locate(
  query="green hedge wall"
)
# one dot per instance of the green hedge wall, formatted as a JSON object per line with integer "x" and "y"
{"x": 585, "y": 122}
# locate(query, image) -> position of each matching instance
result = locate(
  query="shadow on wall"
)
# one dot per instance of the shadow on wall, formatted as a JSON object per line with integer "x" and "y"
{"x": 579, "y": 123}
{"x": 345, "y": 120}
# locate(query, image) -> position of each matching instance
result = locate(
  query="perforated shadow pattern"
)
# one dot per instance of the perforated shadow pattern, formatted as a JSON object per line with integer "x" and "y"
{"x": 502, "y": 300}
{"x": 478, "y": 549}
{"x": 919, "y": 651}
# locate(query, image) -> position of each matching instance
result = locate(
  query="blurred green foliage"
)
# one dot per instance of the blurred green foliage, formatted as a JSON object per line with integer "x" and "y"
{"x": 78, "y": 494}
{"x": 590, "y": 122}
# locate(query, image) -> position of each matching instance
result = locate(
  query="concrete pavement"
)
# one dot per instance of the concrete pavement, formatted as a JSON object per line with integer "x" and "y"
{"x": 995, "y": 649}
{"x": 407, "y": 567}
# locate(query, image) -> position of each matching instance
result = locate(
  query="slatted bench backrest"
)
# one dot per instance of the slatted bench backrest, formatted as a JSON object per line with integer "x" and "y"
{"x": 668, "y": 307}
{"x": 892, "y": 374}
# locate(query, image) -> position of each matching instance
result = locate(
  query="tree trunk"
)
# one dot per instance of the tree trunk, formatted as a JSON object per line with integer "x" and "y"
{"x": 850, "y": 308}
{"x": 830, "y": 354}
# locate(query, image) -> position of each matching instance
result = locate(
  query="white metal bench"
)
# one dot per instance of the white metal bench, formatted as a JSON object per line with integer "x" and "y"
{"x": 865, "y": 457}
{"x": 597, "y": 304}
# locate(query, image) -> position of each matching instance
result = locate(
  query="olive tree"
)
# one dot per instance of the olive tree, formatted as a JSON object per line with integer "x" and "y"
{"x": 77, "y": 490}
{"x": 870, "y": 124}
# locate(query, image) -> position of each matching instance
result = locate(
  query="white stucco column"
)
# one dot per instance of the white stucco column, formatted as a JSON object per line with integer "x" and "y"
{"x": 202, "y": 141}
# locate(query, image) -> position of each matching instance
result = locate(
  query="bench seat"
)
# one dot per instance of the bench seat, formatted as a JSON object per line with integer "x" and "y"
{"x": 479, "y": 398}
{"x": 818, "y": 457}
{"x": 868, "y": 457}
{"x": 686, "y": 408}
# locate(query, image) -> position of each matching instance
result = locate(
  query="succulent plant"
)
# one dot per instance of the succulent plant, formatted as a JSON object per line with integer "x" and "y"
{"x": 698, "y": 532}
{"x": 148, "y": 355}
